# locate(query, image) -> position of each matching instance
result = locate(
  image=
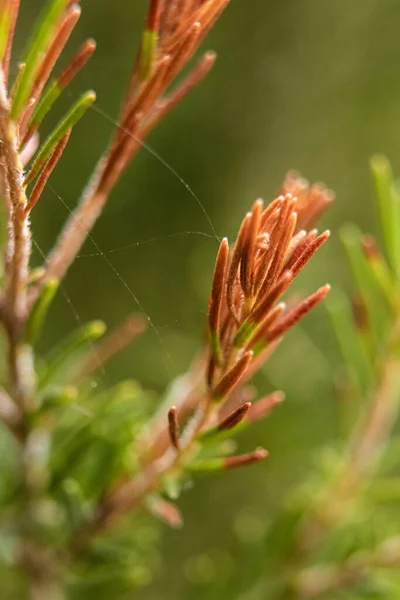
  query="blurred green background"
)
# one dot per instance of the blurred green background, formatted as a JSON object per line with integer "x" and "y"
{"x": 298, "y": 84}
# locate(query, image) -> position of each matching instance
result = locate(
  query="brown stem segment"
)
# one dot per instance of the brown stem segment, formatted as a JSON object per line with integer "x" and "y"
{"x": 17, "y": 253}
{"x": 19, "y": 241}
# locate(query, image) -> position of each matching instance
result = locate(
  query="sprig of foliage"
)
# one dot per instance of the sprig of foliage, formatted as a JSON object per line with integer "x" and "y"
{"x": 82, "y": 462}
{"x": 338, "y": 535}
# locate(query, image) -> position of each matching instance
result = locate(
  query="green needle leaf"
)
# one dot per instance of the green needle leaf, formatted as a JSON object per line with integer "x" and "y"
{"x": 39, "y": 312}
{"x": 71, "y": 349}
{"x": 149, "y": 46}
{"x": 50, "y": 95}
{"x": 389, "y": 206}
{"x": 350, "y": 344}
{"x": 209, "y": 465}
{"x": 73, "y": 501}
{"x": 39, "y": 42}
{"x": 5, "y": 21}
{"x": 366, "y": 282}
{"x": 71, "y": 118}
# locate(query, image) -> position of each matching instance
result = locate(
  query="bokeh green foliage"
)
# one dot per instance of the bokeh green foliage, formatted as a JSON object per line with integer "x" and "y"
{"x": 297, "y": 84}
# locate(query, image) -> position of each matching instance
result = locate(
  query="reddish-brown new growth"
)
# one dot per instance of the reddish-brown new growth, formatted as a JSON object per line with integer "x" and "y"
{"x": 269, "y": 252}
{"x": 76, "y": 63}
{"x": 232, "y": 377}
{"x": 264, "y": 406}
{"x": 153, "y": 15}
{"x": 246, "y": 317}
{"x": 217, "y": 292}
{"x": 245, "y": 459}
{"x": 166, "y": 511}
{"x": 234, "y": 418}
{"x": 296, "y": 314}
{"x": 13, "y": 7}
{"x": 49, "y": 60}
{"x": 173, "y": 427}
{"x": 311, "y": 200}
{"x": 370, "y": 248}
{"x": 172, "y": 34}
{"x": 46, "y": 172}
